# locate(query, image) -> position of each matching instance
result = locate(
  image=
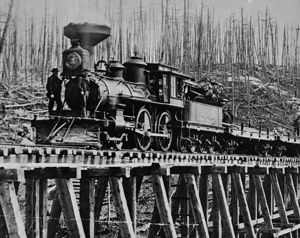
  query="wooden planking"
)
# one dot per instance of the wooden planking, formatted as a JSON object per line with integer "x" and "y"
{"x": 87, "y": 205}
{"x": 196, "y": 206}
{"x": 54, "y": 217}
{"x": 70, "y": 208}
{"x": 243, "y": 204}
{"x": 163, "y": 206}
{"x": 120, "y": 203}
{"x": 11, "y": 210}
{"x": 223, "y": 205}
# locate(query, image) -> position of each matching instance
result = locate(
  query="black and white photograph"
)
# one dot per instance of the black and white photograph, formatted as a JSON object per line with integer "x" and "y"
{"x": 149, "y": 118}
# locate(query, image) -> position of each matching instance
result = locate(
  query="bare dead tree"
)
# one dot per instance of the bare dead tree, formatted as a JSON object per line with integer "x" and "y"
{"x": 2, "y": 40}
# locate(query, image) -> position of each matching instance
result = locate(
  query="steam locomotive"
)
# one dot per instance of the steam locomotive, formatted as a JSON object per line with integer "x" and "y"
{"x": 145, "y": 106}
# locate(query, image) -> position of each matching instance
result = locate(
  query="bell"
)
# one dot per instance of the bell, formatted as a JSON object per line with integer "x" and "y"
{"x": 101, "y": 66}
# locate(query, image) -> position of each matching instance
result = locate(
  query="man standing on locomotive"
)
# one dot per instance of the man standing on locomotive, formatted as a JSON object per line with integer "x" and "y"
{"x": 296, "y": 122}
{"x": 54, "y": 91}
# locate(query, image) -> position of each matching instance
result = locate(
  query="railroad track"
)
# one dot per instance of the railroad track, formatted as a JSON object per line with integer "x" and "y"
{"x": 23, "y": 154}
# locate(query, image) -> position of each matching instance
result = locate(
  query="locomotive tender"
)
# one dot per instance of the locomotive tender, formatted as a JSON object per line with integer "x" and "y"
{"x": 144, "y": 106}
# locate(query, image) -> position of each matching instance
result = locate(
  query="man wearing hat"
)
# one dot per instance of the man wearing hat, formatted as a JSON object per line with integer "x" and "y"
{"x": 54, "y": 91}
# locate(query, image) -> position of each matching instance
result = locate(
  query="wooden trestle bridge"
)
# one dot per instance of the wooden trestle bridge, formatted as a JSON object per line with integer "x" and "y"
{"x": 196, "y": 195}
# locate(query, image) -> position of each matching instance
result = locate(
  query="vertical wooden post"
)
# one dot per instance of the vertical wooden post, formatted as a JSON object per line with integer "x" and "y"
{"x": 87, "y": 205}
{"x": 196, "y": 206}
{"x": 163, "y": 206}
{"x": 40, "y": 208}
{"x": 294, "y": 200}
{"x": 11, "y": 210}
{"x": 175, "y": 198}
{"x": 203, "y": 193}
{"x": 194, "y": 225}
{"x": 30, "y": 208}
{"x": 43, "y": 208}
{"x": 3, "y": 227}
{"x": 269, "y": 193}
{"x": 234, "y": 206}
{"x": 139, "y": 180}
{"x": 120, "y": 203}
{"x": 134, "y": 198}
{"x": 91, "y": 196}
{"x": 54, "y": 217}
{"x": 128, "y": 190}
{"x": 155, "y": 229}
{"x": 293, "y": 195}
{"x": 222, "y": 204}
{"x": 279, "y": 199}
{"x": 263, "y": 201}
{"x": 129, "y": 185}
{"x": 216, "y": 217}
{"x": 37, "y": 208}
{"x": 283, "y": 188}
{"x": 99, "y": 195}
{"x": 167, "y": 184}
{"x": 184, "y": 213}
{"x": 69, "y": 207}
{"x": 243, "y": 204}
{"x": 252, "y": 198}
{"x": 296, "y": 182}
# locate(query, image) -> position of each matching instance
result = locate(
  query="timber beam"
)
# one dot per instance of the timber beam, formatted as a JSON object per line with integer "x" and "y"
{"x": 209, "y": 200}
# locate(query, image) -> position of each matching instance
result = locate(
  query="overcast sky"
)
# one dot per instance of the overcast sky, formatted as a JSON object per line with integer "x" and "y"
{"x": 287, "y": 11}
{"x": 284, "y": 10}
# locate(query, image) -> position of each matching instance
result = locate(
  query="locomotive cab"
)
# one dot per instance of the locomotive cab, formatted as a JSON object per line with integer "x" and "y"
{"x": 165, "y": 82}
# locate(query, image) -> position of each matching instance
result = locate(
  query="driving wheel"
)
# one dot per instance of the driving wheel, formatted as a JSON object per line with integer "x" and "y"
{"x": 163, "y": 126}
{"x": 143, "y": 138}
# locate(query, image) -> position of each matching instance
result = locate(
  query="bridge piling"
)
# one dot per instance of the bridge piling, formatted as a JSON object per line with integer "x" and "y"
{"x": 240, "y": 196}
{"x": 11, "y": 210}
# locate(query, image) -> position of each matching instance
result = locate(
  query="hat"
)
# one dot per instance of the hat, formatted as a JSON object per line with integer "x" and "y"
{"x": 54, "y": 70}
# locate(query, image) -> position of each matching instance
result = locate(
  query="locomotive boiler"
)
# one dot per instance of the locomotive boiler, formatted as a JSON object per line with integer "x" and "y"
{"x": 143, "y": 105}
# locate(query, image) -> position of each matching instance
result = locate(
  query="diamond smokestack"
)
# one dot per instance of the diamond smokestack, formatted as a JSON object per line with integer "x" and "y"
{"x": 89, "y": 35}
